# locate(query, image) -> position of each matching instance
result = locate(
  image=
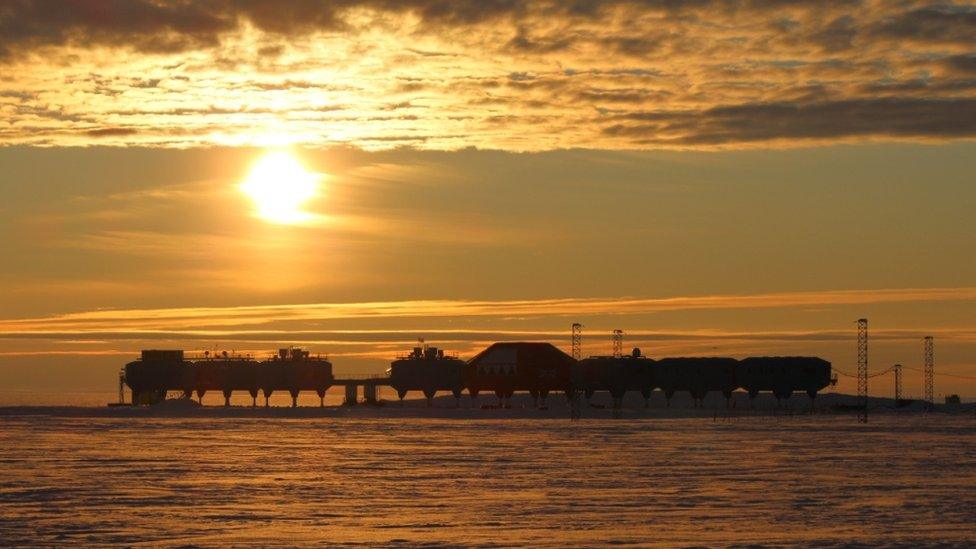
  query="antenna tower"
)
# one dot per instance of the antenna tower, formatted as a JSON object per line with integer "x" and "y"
{"x": 930, "y": 372}
{"x": 897, "y": 369}
{"x": 577, "y": 340}
{"x": 575, "y": 411}
{"x": 618, "y": 343}
{"x": 122, "y": 387}
{"x": 862, "y": 369}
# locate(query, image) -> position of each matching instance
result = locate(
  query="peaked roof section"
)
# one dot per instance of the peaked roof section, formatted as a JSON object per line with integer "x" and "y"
{"x": 528, "y": 352}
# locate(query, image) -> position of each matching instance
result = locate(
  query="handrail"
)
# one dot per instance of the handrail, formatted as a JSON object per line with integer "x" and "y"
{"x": 411, "y": 356}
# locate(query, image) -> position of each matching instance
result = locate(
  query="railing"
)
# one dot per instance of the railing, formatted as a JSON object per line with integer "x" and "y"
{"x": 215, "y": 354}
{"x": 365, "y": 380}
{"x": 218, "y": 358}
{"x": 411, "y": 356}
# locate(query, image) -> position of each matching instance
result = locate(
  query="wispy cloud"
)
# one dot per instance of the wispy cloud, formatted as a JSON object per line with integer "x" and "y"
{"x": 193, "y": 318}
{"x": 371, "y": 350}
{"x": 404, "y": 337}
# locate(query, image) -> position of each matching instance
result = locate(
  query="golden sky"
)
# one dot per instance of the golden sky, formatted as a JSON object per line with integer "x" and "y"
{"x": 713, "y": 177}
{"x": 510, "y": 75}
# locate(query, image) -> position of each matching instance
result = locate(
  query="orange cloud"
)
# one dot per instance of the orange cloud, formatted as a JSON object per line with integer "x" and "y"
{"x": 519, "y": 76}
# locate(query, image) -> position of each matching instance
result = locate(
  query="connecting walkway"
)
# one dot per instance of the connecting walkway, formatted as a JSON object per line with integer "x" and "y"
{"x": 369, "y": 385}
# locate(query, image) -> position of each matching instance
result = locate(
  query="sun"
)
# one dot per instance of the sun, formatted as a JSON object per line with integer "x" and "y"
{"x": 280, "y": 186}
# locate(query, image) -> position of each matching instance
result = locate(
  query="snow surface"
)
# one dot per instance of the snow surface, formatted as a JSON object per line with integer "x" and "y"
{"x": 408, "y": 476}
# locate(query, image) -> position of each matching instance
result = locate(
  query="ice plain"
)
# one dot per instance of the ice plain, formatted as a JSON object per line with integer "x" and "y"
{"x": 385, "y": 477}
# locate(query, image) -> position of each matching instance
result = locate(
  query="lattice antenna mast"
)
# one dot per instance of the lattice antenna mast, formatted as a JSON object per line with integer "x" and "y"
{"x": 575, "y": 407}
{"x": 930, "y": 371}
{"x": 122, "y": 387}
{"x": 618, "y": 343}
{"x": 897, "y": 369}
{"x": 862, "y": 369}
{"x": 577, "y": 341}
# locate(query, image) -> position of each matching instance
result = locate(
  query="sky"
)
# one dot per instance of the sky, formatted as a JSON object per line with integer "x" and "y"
{"x": 712, "y": 177}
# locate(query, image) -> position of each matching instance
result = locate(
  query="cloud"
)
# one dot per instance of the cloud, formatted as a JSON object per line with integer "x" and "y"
{"x": 820, "y": 120}
{"x": 939, "y": 23}
{"x": 146, "y": 25}
{"x": 377, "y": 347}
{"x": 401, "y": 338}
{"x": 498, "y": 74}
{"x": 111, "y": 132}
{"x": 196, "y": 318}
{"x": 963, "y": 64}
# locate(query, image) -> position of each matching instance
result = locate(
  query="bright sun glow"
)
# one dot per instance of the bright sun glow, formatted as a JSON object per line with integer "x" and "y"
{"x": 279, "y": 186}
